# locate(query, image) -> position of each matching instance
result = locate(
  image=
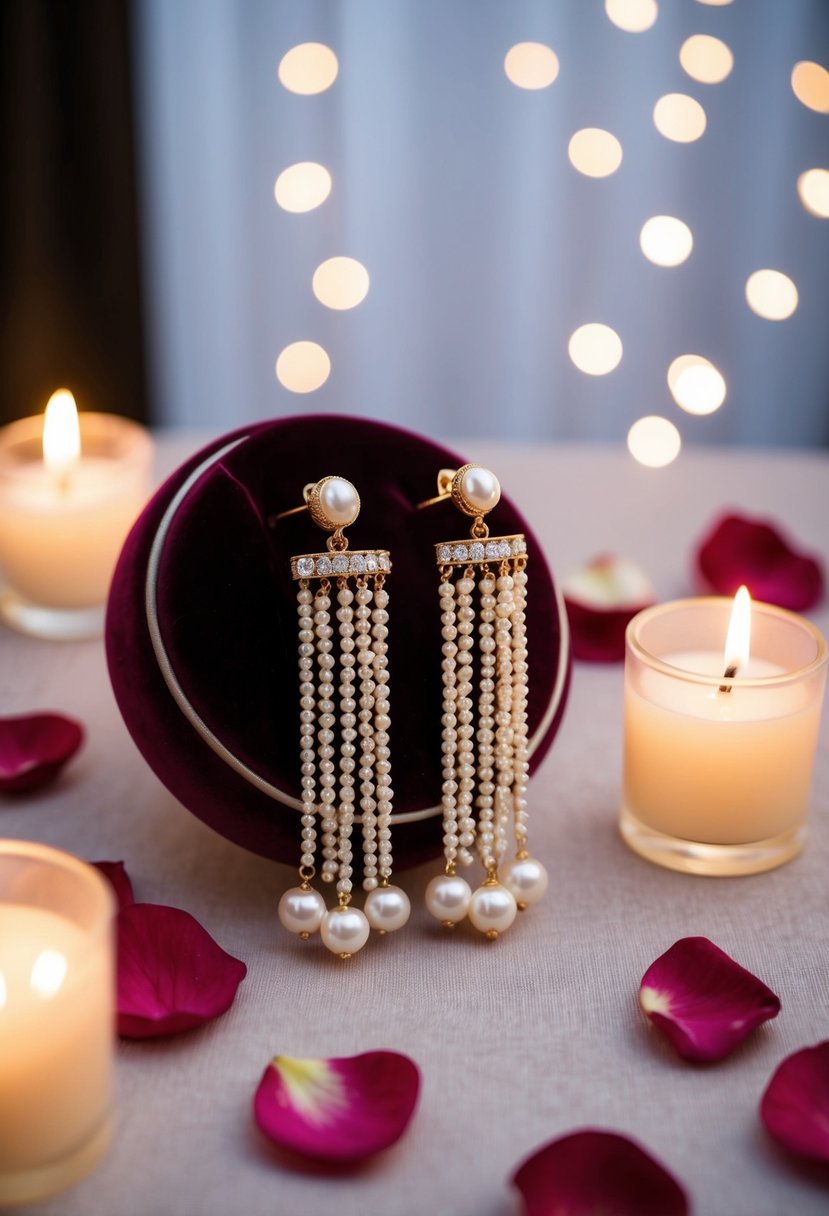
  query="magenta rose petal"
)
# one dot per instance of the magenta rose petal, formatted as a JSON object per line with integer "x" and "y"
{"x": 738, "y": 550}
{"x": 116, "y": 872}
{"x": 601, "y": 598}
{"x": 703, "y": 1001}
{"x": 34, "y": 748}
{"x": 338, "y": 1110}
{"x": 172, "y": 975}
{"x": 593, "y": 1171}
{"x": 795, "y": 1106}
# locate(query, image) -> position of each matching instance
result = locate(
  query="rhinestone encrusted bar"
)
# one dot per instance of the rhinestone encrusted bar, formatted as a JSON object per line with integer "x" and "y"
{"x": 335, "y": 565}
{"x": 472, "y": 552}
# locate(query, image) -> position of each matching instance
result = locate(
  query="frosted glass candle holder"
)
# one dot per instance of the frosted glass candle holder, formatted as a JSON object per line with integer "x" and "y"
{"x": 57, "y": 1002}
{"x": 717, "y": 782}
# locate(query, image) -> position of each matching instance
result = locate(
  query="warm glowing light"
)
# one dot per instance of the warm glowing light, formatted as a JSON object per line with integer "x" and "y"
{"x": 595, "y": 152}
{"x": 634, "y": 16}
{"x": 61, "y": 432}
{"x": 679, "y": 117}
{"x": 699, "y": 389}
{"x": 679, "y": 365}
{"x": 810, "y": 84}
{"x": 308, "y": 68}
{"x": 303, "y": 186}
{"x": 813, "y": 188}
{"x": 771, "y": 294}
{"x": 340, "y": 283}
{"x": 654, "y": 441}
{"x": 738, "y": 638}
{"x": 665, "y": 240}
{"x": 595, "y": 349}
{"x": 706, "y": 59}
{"x": 531, "y": 65}
{"x": 3, "y": 991}
{"x": 303, "y": 367}
{"x": 48, "y": 973}
{"x": 714, "y": 3}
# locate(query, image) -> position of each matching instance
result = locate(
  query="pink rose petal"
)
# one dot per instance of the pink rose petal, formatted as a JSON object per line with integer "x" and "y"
{"x": 337, "y": 1110}
{"x": 172, "y": 975}
{"x": 795, "y": 1106}
{"x": 34, "y": 748}
{"x": 702, "y": 1000}
{"x": 590, "y": 1172}
{"x": 738, "y": 550}
{"x": 120, "y": 880}
{"x": 602, "y": 597}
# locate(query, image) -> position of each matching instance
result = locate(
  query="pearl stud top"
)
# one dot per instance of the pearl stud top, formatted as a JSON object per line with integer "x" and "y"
{"x": 333, "y": 503}
{"x": 475, "y": 490}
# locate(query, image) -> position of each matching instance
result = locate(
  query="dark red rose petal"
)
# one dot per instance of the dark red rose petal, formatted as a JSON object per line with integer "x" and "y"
{"x": 601, "y": 598}
{"x": 703, "y": 1001}
{"x": 739, "y": 550}
{"x": 120, "y": 880}
{"x": 590, "y": 1172}
{"x": 795, "y": 1106}
{"x": 338, "y": 1110}
{"x": 34, "y": 748}
{"x": 172, "y": 975}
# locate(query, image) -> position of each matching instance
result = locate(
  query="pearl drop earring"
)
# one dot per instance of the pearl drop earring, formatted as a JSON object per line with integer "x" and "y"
{"x": 358, "y": 741}
{"x": 484, "y": 746}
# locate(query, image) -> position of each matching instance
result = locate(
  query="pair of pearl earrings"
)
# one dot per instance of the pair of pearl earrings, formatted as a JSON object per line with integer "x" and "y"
{"x": 484, "y": 741}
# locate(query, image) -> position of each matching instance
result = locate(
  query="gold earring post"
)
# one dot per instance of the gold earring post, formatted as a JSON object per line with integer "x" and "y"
{"x": 445, "y": 479}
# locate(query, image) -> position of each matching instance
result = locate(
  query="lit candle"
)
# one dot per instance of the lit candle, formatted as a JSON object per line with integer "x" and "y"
{"x": 56, "y": 1020}
{"x": 719, "y": 744}
{"x": 70, "y": 488}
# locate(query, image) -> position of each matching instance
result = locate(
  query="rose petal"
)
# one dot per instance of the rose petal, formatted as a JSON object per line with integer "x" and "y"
{"x": 739, "y": 550}
{"x": 34, "y": 748}
{"x": 795, "y": 1106}
{"x": 172, "y": 975}
{"x": 602, "y": 597}
{"x": 340, "y": 1109}
{"x": 702, "y": 1000}
{"x": 120, "y": 880}
{"x": 593, "y": 1171}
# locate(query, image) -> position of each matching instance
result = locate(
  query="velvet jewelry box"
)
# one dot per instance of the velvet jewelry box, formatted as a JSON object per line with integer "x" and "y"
{"x": 201, "y": 630}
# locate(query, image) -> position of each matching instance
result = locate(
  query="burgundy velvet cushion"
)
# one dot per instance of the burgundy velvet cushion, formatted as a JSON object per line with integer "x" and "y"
{"x": 227, "y": 618}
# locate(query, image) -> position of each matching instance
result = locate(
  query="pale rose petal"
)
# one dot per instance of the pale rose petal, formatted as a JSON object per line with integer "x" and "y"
{"x": 120, "y": 880}
{"x": 702, "y": 1000}
{"x": 795, "y": 1106}
{"x": 34, "y": 748}
{"x": 738, "y": 550}
{"x": 172, "y": 975}
{"x": 602, "y": 597}
{"x": 340, "y": 1109}
{"x": 590, "y": 1172}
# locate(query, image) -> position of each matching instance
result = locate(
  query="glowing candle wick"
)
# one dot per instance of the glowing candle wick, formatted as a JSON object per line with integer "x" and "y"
{"x": 738, "y": 638}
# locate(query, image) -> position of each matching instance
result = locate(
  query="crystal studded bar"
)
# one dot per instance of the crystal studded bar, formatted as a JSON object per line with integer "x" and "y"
{"x": 326, "y": 565}
{"x": 496, "y": 548}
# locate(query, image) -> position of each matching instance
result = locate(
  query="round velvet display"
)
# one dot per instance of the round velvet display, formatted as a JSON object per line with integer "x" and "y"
{"x": 223, "y": 607}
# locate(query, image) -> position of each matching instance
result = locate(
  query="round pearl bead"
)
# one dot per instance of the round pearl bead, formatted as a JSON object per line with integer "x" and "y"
{"x": 526, "y": 878}
{"x": 387, "y": 908}
{"x": 481, "y": 488}
{"x": 339, "y": 501}
{"x": 344, "y": 931}
{"x": 447, "y": 898}
{"x": 301, "y": 910}
{"x": 492, "y": 909}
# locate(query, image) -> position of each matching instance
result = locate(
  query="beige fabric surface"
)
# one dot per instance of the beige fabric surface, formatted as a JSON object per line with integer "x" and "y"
{"x": 520, "y": 1041}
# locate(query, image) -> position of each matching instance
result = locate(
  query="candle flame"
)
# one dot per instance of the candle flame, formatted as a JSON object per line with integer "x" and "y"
{"x": 48, "y": 973}
{"x": 738, "y": 638}
{"x": 61, "y": 433}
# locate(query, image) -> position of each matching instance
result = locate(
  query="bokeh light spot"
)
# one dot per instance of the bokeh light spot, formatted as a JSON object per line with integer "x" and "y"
{"x": 771, "y": 294}
{"x": 714, "y": 3}
{"x": 303, "y": 367}
{"x": 665, "y": 240}
{"x": 595, "y": 152}
{"x": 531, "y": 65}
{"x": 679, "y": 117}
{"x": 654, "y": 441}
{"x": 308, "y": 68}
{"x": 634, "y": 16}
{"x": 340, "y": 283}
{"x": 699, "y": 389}
{"x": 302, "y": 187}
{"x": 810, "y": 84}
{"x": 595, "y": 349}
{"x": 813, "y": 188}
{"x": 706, "y": 59}
{"x": 679, "y": 365}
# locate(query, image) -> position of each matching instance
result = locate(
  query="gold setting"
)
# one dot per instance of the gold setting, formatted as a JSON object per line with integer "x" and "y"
{"x": 335, "y": 564}
{"x": 312, "y": 493}
{"x": 476, "y": 551}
